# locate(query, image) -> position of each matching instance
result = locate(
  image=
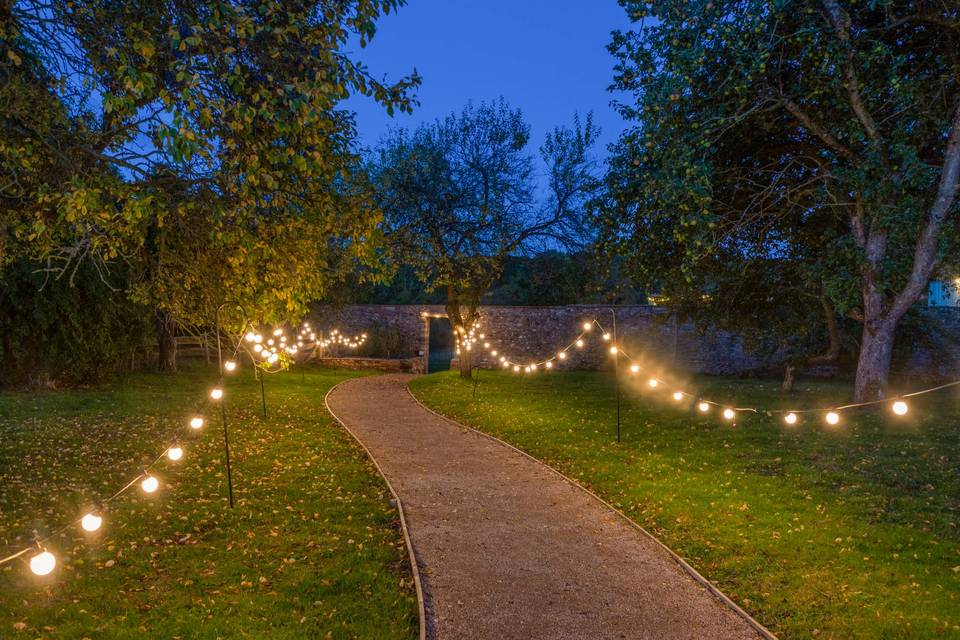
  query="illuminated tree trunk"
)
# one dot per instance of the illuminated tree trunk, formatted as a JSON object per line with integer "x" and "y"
{"x": 873, "y": 366}
{"x": 166, "y": 341}
{"x": 466, "y": 364}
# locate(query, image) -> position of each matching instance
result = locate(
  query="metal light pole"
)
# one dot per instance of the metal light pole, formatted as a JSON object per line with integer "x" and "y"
{"x": 616, "y": 368}
{"x": 223, "y": 407}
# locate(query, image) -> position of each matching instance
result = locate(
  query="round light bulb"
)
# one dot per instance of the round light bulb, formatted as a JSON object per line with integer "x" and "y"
{"x": 516, "y": 367}
{"x": 258, "y": 338}
{"x": 562, "y": 355}
{"x": 790, "y": 418}
{"x": 174, "y": 453}
{"x": 579, "y": 343}
{"x": 270, "y": 342}
{"x": 587, "y": 326}
{"x": 833, "y": 417}
{"x": 900, "y": 408}
{"x": 678, "y": 395}
{"x": 653, "y": 383}
{"x": 278, "y": 332}
{"x": 613, "y": 351}
{"x": 250, "y": 336}
{"x": 704, "y": 407}
{"x": 91, "y": 522}
{"x": 494, "y": 353}
{"x": 634, "y": 368}
{"x": 229, "y": 365}
{"x": 257, "y": 348}
{"x": 729, "y": 413}
{"x": 216, "y": 393}
{"x": 606, "y": 336}
{"x": 505, "y": 364}
{"x": 549, "y": 365}
{"x": 149, "y": 484}
{"x": 43, "y": 563}
{"x": 196, "y": 422}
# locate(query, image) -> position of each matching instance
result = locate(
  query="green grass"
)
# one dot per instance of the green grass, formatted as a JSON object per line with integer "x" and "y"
{"x": 312, "y": 549}
{"x": 842, "y": 532}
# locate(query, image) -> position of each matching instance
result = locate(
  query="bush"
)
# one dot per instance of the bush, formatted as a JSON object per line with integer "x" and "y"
{"x": 56, "y": 332}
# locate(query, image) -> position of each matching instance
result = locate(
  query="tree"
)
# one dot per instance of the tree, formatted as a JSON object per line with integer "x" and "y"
{"x": 200, "y": 141}
{"x": 819, "y": 132}
{"x": 458, "y": 197}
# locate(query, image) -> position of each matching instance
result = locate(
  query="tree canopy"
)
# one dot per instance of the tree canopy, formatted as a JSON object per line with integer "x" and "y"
{"x": 820, "y": 139}
{"x": 459, "y": 197}
{"x": 200, "y": 142}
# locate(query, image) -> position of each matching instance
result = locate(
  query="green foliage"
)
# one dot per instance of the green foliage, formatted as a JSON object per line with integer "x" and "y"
{"x": 202, "y": 142}
{"x": 386, "y": 341}
{"x": 831, "y": 533}
{"x": 311, "y": 549}
{"x": 52, "y": 332}
{"x": 802, "y": 150}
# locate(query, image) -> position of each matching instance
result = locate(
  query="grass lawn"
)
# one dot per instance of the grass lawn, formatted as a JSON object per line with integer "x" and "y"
{"x": 312, "y": 549}
{"x": 840, "y": 532}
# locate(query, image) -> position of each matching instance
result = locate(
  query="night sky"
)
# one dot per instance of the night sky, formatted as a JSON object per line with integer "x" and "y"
{"x": 547, "y": 57}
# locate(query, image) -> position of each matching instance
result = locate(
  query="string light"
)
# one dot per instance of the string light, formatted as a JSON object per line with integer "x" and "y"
{"x": 678, "y": 395}
{"x": 229, "y": 365}
{"x": 196, "y": 422}
{"x": 833, "y": 417}
{"x": 587, "y": 326}
{"x": 174, "y": 453}
{"x": 729, "y": 413}
{"x": 251, "y": 336}
{"x": 653, "y": 382}
{"x": 703, "y": 407}
{"x": 91, "y": 522}
{"x": 149, "y": 484}
{"x": 634, "y": 368}
{"x": 613, "y": 350}
{"x": 579, "y": 343}
{"x": 790, "y": 418}
{"x": 900, "y": 408}
{"x": 43, "y": 563}
{"x": 562, "y": 355}
{"x": 216, "y": 393}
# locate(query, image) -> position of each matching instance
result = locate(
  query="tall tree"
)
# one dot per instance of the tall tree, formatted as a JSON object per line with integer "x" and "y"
{"x": 815, "y": 128}
{"x": 459, "y": 196}
{"x": 195, "y": 140}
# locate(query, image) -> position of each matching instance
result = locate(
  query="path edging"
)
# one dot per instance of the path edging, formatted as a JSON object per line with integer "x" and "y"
{"x": 414, "y": 567}
{"x": 693, "y": 573}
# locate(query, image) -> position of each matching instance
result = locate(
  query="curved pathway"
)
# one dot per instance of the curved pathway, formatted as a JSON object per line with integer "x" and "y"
{"x": 509, "y": 549}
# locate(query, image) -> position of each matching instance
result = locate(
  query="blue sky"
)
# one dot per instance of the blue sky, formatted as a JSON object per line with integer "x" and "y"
{"x": 547, "y": 57}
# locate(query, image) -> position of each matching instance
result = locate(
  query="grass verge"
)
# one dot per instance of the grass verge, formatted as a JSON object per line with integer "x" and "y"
{"x": 843, "y": 532}
{"x": 312, "y": 549}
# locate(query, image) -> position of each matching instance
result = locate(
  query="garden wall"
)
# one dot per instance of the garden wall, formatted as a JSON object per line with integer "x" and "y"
{"x": 647, "y": 332}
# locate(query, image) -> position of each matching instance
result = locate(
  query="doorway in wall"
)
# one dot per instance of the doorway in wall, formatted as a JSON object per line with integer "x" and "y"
{"x": 441, "y": 345}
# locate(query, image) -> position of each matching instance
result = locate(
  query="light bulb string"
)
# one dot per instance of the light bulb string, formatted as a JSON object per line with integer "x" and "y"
{"x": 39, "y": 541}
{"x": 619, "y": 351}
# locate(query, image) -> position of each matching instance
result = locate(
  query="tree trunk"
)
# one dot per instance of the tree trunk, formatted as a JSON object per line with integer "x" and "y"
{"x": 466, "y": 364}
{"x": 873, "y": 366}
{"x": 167, "y": 344}
{"x": 788, "y": 378}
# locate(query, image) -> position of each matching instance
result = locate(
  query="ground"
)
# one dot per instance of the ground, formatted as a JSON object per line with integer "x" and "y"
{"x": 312, "y": 548}
{"x": 850, "y": 532}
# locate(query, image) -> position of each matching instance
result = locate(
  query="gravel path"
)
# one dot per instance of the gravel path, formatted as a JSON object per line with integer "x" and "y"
{"x": 508, "y": 549}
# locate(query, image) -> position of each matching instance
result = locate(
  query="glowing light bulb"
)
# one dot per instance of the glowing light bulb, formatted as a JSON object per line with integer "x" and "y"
{"x": 257, "y": 348}
{"x": 653, "y": 383}
{"x": 270, "y": 342}
{"x": 729, "y": 413}
{"x": 494, "y": 353}
{"x": 678, "y": 395}
{"x": 634, "y": 368}
{"x": 216, "y": 393}
{"x": 174, "y": 453}
{"x": 273, "y": 358}
{"x": 549, "y": 365}
{"x": 278, "y": 332}
{"x": 196, "y": 422}
{"x": 43, "y": 563}
{"x": 149, "y": 484}
{"x": 91, "y": 522}
{"x": 579, "y": 343}
{"x": 790, "y": 418}
{"x": 258, "y": 338}
{"x": 587, "y": 326}
{"x": 527, "y": 369}
{"x": 833, "y": 417}
{"x": 613, "y": 350}
{"x": 533, "y": 367}
{"x": 516, "y": 367}
{"x": 250, "y": 336}
{"x": 606, "y": 336}
{"x": 704, "y": 407}
{"x": 486, "y": 345}
{"x": 900, "y": 408}
{"x": 562, "y": 355}
{"x": 505, "y": 363}
{"x": 229, "y": 365}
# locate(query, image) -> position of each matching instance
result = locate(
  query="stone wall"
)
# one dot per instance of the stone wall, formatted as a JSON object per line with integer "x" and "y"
{"x": 533, "y": 333}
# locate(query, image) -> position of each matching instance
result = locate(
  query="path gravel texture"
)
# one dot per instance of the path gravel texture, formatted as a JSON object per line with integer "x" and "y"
{"x": 509, "y": 549}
